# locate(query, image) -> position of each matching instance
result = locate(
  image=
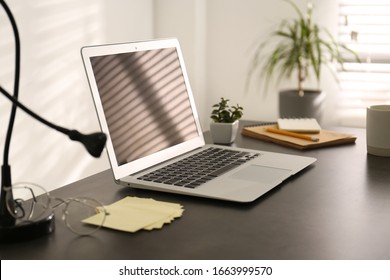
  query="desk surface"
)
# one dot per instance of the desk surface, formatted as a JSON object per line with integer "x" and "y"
{"x": 336, "y": 209}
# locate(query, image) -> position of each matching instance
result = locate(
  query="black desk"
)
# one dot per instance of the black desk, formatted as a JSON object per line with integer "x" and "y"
{"x": 336, "y": 209}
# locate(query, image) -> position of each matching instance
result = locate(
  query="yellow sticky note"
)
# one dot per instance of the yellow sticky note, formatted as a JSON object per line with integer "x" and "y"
{"x": 132, "y": 214}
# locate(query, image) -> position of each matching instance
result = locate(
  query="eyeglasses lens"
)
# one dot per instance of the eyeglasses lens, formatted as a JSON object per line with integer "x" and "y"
{"x": 79, "y": 209}
{"x": 29, "y": 202}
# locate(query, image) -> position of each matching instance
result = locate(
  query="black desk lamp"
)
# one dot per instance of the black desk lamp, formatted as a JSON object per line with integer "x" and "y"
{"x": 10, "y": 229}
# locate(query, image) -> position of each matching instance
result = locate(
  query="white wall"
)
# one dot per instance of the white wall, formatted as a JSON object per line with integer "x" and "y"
{"x": 217, "y": 37}
{"x": 53, "y": 82}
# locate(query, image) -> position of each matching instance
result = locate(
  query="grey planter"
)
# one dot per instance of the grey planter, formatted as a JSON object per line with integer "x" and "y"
{"x": 223, "y": 133}
{"x": 311, "y": 105}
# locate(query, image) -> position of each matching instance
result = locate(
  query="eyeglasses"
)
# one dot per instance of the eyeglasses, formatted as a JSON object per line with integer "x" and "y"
{"x": 28, "y": 202}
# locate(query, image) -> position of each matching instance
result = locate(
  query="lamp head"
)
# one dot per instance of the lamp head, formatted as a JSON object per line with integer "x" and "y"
{"x": 94, "y": 143}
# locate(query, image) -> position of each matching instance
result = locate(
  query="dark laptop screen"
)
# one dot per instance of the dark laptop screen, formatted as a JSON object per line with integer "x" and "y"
{"x": 145, "y": 101}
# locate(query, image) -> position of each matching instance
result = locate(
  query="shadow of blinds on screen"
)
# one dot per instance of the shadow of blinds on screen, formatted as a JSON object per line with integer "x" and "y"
{"x": 145, "y": 102}
{"x": 364, "y": 26}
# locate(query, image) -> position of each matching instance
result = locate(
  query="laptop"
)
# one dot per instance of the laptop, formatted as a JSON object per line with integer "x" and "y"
{"x": 145, "y": 105}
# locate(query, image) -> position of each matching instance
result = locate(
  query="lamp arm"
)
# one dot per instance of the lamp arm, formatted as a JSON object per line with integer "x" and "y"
{"x": 16, "y": 81}
{"x": 5, "y": 217}
{"x": 31, "y": 113}
{"x": 94, "y": 143}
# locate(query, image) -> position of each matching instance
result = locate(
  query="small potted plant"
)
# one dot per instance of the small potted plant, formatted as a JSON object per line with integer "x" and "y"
{"x": 300, "y": 48}
{"x": 225, "y": 118}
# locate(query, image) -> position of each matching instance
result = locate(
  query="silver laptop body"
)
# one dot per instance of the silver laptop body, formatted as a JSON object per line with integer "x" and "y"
{"x": 145, "y": 106}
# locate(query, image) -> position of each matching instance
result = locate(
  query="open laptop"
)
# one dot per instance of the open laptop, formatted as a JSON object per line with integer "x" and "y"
{"x": 145, "y": 106}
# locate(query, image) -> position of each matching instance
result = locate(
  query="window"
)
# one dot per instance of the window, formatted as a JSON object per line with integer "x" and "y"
{"x": 364, "y": 25}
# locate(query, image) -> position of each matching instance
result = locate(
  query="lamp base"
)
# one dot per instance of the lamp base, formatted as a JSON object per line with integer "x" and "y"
{"x": 27, "y": 230}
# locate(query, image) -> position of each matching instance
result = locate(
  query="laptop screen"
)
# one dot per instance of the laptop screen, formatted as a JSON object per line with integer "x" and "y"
{"x": 145, "y": 101}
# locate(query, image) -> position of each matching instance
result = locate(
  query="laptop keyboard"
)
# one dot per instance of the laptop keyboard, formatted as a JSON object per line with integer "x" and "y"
{"x": 199, "y": 168}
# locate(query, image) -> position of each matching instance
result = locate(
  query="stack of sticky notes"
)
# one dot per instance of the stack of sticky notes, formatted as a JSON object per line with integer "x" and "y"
{"x": 304, "y": 125}
{"x": 132, "y": 214}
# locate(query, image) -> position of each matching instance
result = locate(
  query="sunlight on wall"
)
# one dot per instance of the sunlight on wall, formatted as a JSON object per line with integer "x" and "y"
{"x": 53, "y": 84}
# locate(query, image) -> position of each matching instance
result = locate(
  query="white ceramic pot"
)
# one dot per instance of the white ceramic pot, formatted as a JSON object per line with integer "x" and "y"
{"x": 223, "y": 133}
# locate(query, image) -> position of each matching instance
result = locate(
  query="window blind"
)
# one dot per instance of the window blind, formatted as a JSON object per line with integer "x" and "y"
{"x": 364, "y": 26}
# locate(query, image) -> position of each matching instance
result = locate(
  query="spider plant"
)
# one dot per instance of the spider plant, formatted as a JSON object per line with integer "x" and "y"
{"x": 301, "y": 46}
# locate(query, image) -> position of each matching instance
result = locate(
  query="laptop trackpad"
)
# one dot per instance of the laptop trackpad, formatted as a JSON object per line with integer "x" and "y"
{"x": 258, "y": 173}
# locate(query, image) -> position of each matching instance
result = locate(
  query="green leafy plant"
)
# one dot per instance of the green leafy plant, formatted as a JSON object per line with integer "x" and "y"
{"x": 301, "y": 46}
{"x": 223, "y": 113}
